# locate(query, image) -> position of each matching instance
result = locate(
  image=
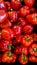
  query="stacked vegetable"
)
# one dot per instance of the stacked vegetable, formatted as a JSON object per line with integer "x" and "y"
{"x": 18, "y": 40}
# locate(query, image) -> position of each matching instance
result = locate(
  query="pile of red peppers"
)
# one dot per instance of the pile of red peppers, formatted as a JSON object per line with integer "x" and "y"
{"x": 18, "y": 41}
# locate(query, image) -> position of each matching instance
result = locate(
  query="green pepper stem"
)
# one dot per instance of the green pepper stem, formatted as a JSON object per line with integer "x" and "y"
{"x": 19, "y": 22}
{"x": 35, "y": 49}
{"x": 23, "y": 57}
{"x": 27, "y": 38}
{"x": 13, "y": 47}
{"x": 9, "y": 54}
{"x": 9, "y": 47}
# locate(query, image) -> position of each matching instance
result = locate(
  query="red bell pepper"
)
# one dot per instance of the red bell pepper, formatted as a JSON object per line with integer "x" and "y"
{"x": 5, "y": 45}
{"x": 32, "y": 18}
{"x": 33, "y": 49}
{"x": 16, "y": 4}
{"x": 8, "y": 57}
{"x": 27, "y": 40}
{"x": 23, "y": 59}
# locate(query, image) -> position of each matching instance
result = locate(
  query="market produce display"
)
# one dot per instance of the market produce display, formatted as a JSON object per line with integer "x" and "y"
{"x": 18, "y": 38}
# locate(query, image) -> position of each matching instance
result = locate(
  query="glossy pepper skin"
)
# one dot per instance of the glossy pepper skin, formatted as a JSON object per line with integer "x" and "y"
{"x": 21, "y": 49}
{"x": 8, "y": 57}
{"x": 33, "y": 59}
{"x": 5, "y": 45}
{"x": 7, "y": 33}
{"x": 13, "y": 16}
{"x": 33, "y": 49}
{"x": 8, "y": 5}
{"x": 6, "y": 24}
{"x": 15, "y": 4}
{"x": 26, "y": 40}
{"x": 29, "y": 2}
{"x": 1, "y": 0}
{"x": 32, "y": 18}
{"x": 24, "y": 11}
{"x": 2, "y": 6}
{"x": 28, "y": 29}
{"x": 3, "y": 16}
{"x": 17, "y": 29}
{"x": 34, "y": 36}
{"x": 23, "y": 59}
{"x": 21, "y": 21}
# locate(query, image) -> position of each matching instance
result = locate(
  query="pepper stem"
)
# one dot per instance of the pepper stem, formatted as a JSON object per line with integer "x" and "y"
{"x": 13, "y": 47}
{"x": 27, "y": 38}
{"x": 9, "y": 47}
{"x": 22, "y": 0}
{"x": 9, "y": 54}
{"x": 19, "y": 22}
{"x": 35, "y": 49}
{"x": 23, "y": 57}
